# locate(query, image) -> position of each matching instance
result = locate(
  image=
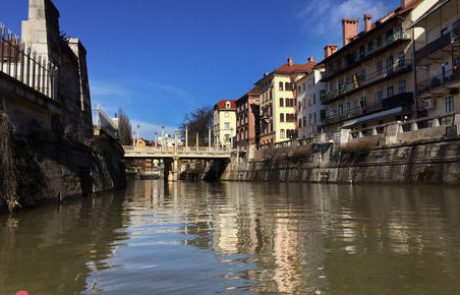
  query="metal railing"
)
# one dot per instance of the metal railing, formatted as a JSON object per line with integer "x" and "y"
{"x": 20, "y": 63}
{"x": 358, "y": 81}
{"x": 438, "y": 80}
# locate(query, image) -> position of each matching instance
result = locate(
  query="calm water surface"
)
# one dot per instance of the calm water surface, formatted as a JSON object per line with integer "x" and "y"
{"x": 233, "y": 238}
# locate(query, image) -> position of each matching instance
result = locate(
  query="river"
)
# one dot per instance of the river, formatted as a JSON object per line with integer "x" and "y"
{"x": 238, "y": 238}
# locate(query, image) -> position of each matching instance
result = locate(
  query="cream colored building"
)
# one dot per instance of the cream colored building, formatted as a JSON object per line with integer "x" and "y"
{"x": 437, "y": 59}
{"x": 278, "y": 105}
{"x": 370, "y": 80}
{"x": 225, "y": 123}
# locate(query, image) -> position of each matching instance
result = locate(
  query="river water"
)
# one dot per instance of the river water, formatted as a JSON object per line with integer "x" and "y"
{"x": 238, "y": 238}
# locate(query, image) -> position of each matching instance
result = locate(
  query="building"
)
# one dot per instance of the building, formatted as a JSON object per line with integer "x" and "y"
{"x": 311, "y": 114}
{"x": 225, "y": 123}
{"x": 278, "y": 106}
{"x": 247, "y": 118}
{"x": 437, "y": 60}
{"x": 370, "y": 80}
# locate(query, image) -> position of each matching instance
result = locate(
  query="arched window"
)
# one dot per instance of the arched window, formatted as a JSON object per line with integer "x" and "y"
{"x": 228, "y": 105}
{"x": 282, "y": 133}
{"x": 281, "y": 102}
{"x": 281, "y": 117}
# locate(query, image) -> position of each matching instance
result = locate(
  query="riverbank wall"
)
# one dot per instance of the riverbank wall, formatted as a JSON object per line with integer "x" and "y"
{"x": 398, "y": 155}
{"x": 50, "y": 168}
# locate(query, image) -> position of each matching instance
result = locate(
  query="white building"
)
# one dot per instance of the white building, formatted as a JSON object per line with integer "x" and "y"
{"x": 309, "y": 89}
{"x": 225, "y": 122}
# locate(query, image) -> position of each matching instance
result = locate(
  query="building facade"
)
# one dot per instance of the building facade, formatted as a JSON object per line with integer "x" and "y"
{"x": 278, "y": 105}
{"x": 311, "y": 114}
{"x": 225, "y": 123}
{"x": 370, "y": 80}
{"x": 247, "y": 116}
{"x": 437, "y": 59}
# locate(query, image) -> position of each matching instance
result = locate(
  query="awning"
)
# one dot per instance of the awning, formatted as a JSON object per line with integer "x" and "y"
{"x": 375, "y": 116}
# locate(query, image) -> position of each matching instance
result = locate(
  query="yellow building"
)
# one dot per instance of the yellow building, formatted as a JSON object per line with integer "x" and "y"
{"x": 437, "y": 58}
{"x": 225, "y": 123}
{"x": 278, "y": 105}
{"x": 370, "y": 80}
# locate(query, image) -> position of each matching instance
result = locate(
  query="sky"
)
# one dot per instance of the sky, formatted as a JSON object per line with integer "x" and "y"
{"x": 161, "y": 59}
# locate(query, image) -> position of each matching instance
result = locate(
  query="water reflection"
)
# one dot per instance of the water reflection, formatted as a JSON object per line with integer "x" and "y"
{"x": 184, "y": 238}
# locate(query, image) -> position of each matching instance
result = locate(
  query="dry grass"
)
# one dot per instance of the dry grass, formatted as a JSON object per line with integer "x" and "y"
{"x": 8, "y": 184}
{"x": 360, "y": 145}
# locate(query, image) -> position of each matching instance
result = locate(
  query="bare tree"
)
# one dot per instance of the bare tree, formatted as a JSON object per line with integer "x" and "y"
{"x": 199, "y": 122}
{"x": 124, "y": 128}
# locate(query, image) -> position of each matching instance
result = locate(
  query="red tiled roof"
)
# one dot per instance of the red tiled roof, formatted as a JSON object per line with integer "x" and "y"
{"x": 221, "y": 105}
{"x": 295, "y": 68}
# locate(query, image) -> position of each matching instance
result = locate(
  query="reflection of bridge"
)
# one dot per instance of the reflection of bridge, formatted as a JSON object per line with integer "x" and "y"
{"x": 176, "y": 152}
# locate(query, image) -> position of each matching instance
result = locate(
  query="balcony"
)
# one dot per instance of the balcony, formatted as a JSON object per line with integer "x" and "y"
{"x": 398, "y": 100}
{"x": 398, "y": 68}
{"x": 438, "y": 44}
{"x": 439, "y": 84}
{"x": 396, "y": 39}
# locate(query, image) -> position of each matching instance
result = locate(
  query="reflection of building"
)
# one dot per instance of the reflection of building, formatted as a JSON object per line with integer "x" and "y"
{"x": 437, "y": 59}
{"x": 225, "y": 122}
{"x": 309, "y": 89}
{"x": 370, "y": 79}
{"x": 278, "y": 106}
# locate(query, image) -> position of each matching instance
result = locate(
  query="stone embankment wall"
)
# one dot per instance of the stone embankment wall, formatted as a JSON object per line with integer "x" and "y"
{"x": 436, "y": 162}
{"x": 48, "y": 167}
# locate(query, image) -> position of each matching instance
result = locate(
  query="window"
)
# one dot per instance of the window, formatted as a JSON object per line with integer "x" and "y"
{"x": 389, "y": 37}
{"x": 304, "y": 121}
{"x": 443, "y": 31}
{"x": 340, "y": 109}
{"x": 281, "y": 102}
{"x": 362, "y": 51}
{"x": 362, "y": 75}
{"x": 348, "y": 106}
{"x": 287, "y": 86}
{"x": 379, "y": 68}
{"x": 281, "y": 117}
{"x": 300, "y": 123}
{"x": 402, "y": 86}
{"x": 449, "y": 104}
{"x": 401, "y": 59}
{"x": 390, "y": 64}
{"x": 281, "y": 86}
{"x": 310, "y": 119}
{"x": 314, "y": 98}
{"x": 227, "y": 126}
{"x": 390, "y": 91}
{"x": 282, "y": 133}
{"x": 379, "y": 41}
{"x": 379, "y": 96}
{"x": 370, "y": 46}
{"x": 228, "y": 105}
{"x": 314, "y": 118}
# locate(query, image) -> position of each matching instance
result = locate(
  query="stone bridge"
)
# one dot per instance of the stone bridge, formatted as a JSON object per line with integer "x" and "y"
{"x": 216, "y": 158}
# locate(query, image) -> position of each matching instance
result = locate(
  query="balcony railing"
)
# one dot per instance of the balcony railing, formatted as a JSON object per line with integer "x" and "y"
{"x": 398, "y": 100}
{"x": 438, "y": 81}
{"x": 396, "y": 38}
{"x": 359, "y": 82}
{"x": 438, "y": 44}
{"x": 25, "y": 66}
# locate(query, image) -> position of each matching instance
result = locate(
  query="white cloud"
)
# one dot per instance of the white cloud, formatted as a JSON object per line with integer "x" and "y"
{"x": 102, "y": 89}
{"x": 322, "y": 17}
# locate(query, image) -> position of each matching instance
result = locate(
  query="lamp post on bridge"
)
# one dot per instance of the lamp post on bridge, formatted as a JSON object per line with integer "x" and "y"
{"x": 209, "y": 139}
{"x": 138, "y": 134}
{"x": 176, "y": 133}
{"x": 155, "y": 138}
{"x": 186, "y": 138}
{"x": 163, "y": 133}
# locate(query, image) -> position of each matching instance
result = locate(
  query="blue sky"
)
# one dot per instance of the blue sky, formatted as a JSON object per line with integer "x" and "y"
{"x": 160, "y": 59}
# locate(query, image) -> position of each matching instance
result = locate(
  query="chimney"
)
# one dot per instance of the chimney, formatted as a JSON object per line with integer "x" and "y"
{"x": 311, "y": 59}
{"x": 329, "y": 50}
{"x": 367, "y": 22}
{"x": 350, "y": 30}
{"x": 290, "y": 61}
{"x": 405, "y": 3}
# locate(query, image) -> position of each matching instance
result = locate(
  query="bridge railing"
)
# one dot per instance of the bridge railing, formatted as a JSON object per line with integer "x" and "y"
{"x": 180, "y": 150}
{"x": 22, "y": 64}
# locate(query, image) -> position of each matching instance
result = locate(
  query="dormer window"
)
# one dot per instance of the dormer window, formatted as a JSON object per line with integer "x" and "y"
{"x": 228, "y": 105}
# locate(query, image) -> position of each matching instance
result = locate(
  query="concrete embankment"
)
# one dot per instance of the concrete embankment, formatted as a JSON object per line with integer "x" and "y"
{"x": 436, "y": 162}
{"x": 47, "y": 167}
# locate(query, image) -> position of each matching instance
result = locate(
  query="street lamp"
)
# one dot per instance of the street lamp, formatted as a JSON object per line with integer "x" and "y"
{"x": 155, "y": 139}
